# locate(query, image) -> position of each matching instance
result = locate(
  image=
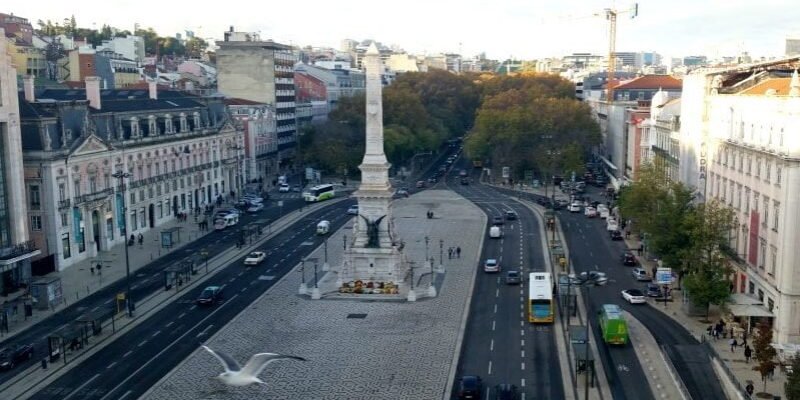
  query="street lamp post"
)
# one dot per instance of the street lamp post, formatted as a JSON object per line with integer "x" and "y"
{"x": 121, "y": 175}
{"x": 325, "y": 265}
{"x": 427, "y": 240}
{"x": 315, "y": 294}
{"x": 432, "y": 288}
{"x": 303, "y": 287}
{"x": 441, "y": 254}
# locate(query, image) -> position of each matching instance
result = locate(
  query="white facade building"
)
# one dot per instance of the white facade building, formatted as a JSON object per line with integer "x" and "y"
{"x": 743, "y": 126}
{"x": 131, "y": 47}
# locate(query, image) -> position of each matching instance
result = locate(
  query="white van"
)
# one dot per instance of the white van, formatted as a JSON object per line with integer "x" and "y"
{"x": 323, "y": 227}
{"x": 495, "y": 232}
{"x": 225, "y": 221}
{"x": 612, "y": 225}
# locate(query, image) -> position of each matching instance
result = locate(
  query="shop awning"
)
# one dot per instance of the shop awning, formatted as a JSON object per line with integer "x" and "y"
{"x": 750, "y": 310}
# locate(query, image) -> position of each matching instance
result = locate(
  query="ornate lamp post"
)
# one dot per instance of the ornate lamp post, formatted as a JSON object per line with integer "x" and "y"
{"x": 325, "y": 265}
{"x": 303, "y": 287}
{"x": 441, "y": 255}
{"x": 121, "y": 175}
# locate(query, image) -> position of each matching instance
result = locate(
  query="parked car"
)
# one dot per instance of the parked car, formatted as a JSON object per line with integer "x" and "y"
{"x": 12, "y": 356}
{"x": 255, "y": 258}
{"x": 402, "y": 192}
{"x": 616, "y": 235}
{"x": 284, "y": 188}
{"x": 612, "y": 225}
{"x": 511, "y": 215}
{"x": 590, "y": 212}
{"x": 640, "y": 274}
{"x": 491, "y": 265}
{"x": 470, "y": 387}
{"x": 297, "y": 188}
{"x": 465, "y": 181}
{"x": 352, "y": 210}
{"x": 634, "y": 296}
{"x": 255, "y": 208}
{"x": 512, "y": 278}
{"x": 251, "y": 198}
{"x": 209, "y": 296}
{"x": 505, "y": 391}
{"x": 628, "y": 259}
{"x": 574, "y": 207}
{"x": 655, "y": 290}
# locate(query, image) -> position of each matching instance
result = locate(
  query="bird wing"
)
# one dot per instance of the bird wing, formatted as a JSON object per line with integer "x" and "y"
{"x": 227, "y": 361}
{"x": 259, "y": 361}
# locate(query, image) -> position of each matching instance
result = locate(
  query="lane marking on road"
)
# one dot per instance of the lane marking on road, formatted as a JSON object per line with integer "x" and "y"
{"x": 522, "y": 323}
{"x": 240, "y": 273}
{"x": 497, "y": 292}
{"x": 523, "y": 354}
{"x": 522, "y": 332}
{"x": 231, "y": 280}
{"x": 523, "y": 366}
{"x": 78, "y": 389}
{"x": 252, "y": 283}
{"x": 129, "y": 392}
{"x": 144, "y": 342}
{"x": 243, "y": 289}
{"x": 491, "y": 345}
{"x": 170, "y": 324}
{"x": 95, "y": 309}
{"x": 522, "y": 315}
{"x": 193, "y": 307}
{"x": 127, "y": 354}
{"x": 111, "y": 365}
{"x": 490, "y": 367}
{"x": 495, "y": 308}
{"x": 493, "y": 325}
{"x": 203, "y": 332}
{"x": 155, "y": 333}
{"x": 522, "y": 343}
{"x": 522, "y": 384}
{"x": 591, "y": 254}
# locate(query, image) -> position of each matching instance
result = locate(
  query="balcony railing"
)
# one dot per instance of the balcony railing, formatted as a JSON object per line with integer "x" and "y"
{"x": 18, "y": 250}
{"x": 62, "y": 204}
{"x": 99, "y": 195}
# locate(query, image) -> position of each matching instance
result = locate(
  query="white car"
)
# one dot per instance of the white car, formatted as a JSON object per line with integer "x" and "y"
{"x": 353, "y": 210}
{"x": 255, "y": 258}
{"x": 491, "y": 265}
{"x": 590, "y": 212}
{"x": 634, "y": 296}
{"x": 574, "y": 207}
{"x": 255, "y": 208}
{"x": 284, "y": 188}
{"x": 612, "y": 225}
{"x": 252, "y": 199}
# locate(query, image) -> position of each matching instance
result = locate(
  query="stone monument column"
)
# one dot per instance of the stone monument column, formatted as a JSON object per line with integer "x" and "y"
{"x": 374, "y": 253}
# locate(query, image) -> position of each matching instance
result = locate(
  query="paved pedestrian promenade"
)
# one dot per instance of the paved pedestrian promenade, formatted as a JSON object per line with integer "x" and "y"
{"x": 395, "y": 349}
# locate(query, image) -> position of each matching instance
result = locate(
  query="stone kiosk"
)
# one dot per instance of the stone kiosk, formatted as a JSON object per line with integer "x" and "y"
{"x": 374, "y": 257}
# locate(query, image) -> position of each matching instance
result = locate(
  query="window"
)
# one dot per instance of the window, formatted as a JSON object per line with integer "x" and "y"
{"x": 776, "y": 207}
{"x": 133, "y": 198}
{"x": 770, "y": 304}
{"x": 741, "y": 163}
{"x": 751, "y": 288}
{"x": 65, "y": 246}
{"x": 141, "y": 195}
{"x": 140, "y": 169}
{"x": 175, "y": 185}
{"x": 189, "y": 180}
{"x": 158, "y": 168}
{"x": 64, "y": 220}
{"x": 160, "y": 211}
{"x": 77, "y": 188}
{"x": 767, "y": 171}
{"x": 738, "y": 197}
{"x": 134, "y": 221}
{"x": 150, "y": 192}
{"x": 158, "y": 189}
{"x": 755, "y": 201}
{"x": 766, "y": 212}
{"x": 762, "y": 253}
{"x": 747, "y": 200}
{"x": 724, "y": 190}
{"x": 773, "y": 260}
{"x": 92, "y": 184}
{"x": 142, "y": 220}
{"x": 758, "y": 168}
{"x": 62, "y": 191}
{"x": 778, "y": 171}
{"x": 35, "y": 197}
{"x": 107, "y": 181}
{"x": 36, "y": 222}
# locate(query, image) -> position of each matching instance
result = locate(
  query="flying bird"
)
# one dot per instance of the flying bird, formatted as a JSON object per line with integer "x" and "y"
{"x": 235, "y": 375}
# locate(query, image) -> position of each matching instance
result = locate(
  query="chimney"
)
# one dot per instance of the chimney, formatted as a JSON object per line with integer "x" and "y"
{"x": 93, "y": 91}
{"x": 27, "y": 83}
{"x": 153, "y": 89}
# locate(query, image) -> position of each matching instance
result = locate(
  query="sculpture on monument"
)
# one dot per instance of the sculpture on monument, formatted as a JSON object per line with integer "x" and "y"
{"x": 372, "y": 232}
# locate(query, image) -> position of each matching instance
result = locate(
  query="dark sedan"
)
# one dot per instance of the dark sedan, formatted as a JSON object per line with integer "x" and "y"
{"x": 210, "y": 296}
{"x": 628, "y": 259}
{"x": 10, "y": 357}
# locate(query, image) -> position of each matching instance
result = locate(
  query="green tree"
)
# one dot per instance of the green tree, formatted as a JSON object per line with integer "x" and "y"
{"x": 792, "y": 385}
{"x": 195, "y": 47}
{"x": 764, "y": 353}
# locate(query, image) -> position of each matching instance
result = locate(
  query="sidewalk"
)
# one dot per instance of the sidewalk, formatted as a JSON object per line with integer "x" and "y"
{"x": 78, "y": 281}
{"x": 731, "y": 365}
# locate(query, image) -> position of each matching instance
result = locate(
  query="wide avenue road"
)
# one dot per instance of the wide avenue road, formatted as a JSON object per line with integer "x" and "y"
{"x": 500, "y": 345}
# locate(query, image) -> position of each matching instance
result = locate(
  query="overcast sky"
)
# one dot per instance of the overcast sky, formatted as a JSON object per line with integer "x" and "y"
{"x": 501, "y": 28}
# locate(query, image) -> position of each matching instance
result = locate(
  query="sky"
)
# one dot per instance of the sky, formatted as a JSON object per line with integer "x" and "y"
{"x": 522, "y": 29}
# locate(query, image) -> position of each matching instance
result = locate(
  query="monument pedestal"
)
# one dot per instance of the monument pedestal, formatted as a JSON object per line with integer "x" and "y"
{"x": 374, "y": 264}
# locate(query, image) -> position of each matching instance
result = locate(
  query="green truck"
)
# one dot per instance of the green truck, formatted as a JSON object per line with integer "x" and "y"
{"x": 613, "y": 327}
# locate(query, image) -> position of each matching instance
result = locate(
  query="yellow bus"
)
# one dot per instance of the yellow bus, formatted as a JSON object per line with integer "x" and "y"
{"x": 541, "y": 308}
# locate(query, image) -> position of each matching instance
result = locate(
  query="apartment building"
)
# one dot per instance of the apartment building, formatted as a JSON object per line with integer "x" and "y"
{"x": 179, "y": 152}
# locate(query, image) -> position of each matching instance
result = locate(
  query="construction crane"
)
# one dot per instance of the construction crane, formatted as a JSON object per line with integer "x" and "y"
{"x": 611, "y": 16}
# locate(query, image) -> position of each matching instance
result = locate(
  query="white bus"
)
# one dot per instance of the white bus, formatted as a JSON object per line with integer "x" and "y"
{"x": 541, "y": 307}
{"x": 226, "y": 221}
{"x": 319, "y": 193}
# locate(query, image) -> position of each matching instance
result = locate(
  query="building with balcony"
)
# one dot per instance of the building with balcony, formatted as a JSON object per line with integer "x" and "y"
{"x": 180, "y": 151}
{"x": 16, "y": 249}
{"x": 261, "y": 71}
{"x": 660, "y": 144}
{"x": 260, "y": 163}
{"x": 741, "y": 129}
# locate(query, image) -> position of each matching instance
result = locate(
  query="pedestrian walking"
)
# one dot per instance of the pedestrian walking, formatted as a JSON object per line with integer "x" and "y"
{"x": 458, "y": 252}
{"x": 733, "y": 344}
{"x": 748, "y": 352}
{"x": 91, "y": 269}
{"x": 640, "y": 249}
{"x": 450, "y": 253}
{"x": 749, "y": 388}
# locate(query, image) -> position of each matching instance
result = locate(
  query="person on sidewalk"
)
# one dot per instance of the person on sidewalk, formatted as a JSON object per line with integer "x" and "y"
{"x": 458, "y": 252}
{"x": 449, "y": 253}
{"x": 733, "y": 344}
{"x": 748, "y": 352}
{"x": 749, "y": 388}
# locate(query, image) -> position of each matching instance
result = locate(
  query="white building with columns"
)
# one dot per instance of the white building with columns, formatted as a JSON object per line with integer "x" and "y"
{"x": 180, "y": 150}
{"x": 740, "y": 144}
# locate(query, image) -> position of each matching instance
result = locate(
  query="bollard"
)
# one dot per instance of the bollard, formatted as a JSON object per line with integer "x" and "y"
{"x": 44, "y": 363}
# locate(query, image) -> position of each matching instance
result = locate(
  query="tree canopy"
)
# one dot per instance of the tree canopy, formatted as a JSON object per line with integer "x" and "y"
{"x": 532, "y": 122}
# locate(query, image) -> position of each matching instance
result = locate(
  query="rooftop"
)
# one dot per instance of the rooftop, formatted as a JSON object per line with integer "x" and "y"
{"x": 666, "y": 82}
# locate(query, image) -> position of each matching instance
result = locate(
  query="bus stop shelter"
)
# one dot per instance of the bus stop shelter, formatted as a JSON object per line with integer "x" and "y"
{"x": 178, "y": 274}
{"x": 71, "y": 337}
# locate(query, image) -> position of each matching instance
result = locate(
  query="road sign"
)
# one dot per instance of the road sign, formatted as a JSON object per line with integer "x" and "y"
{"x": 664, "y": 276}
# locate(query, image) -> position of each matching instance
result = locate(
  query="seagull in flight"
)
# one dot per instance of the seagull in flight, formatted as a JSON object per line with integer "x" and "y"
{"x": 235, "y": 375}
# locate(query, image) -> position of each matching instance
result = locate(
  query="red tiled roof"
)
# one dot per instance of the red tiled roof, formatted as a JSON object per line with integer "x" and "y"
{"x": 235, "y": 101}
{"x": 781, "y": 86}
{"x": 651, "y": 82}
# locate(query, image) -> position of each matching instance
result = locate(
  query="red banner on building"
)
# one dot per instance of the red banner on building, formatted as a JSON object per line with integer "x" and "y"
{"x": 752, "y": 254}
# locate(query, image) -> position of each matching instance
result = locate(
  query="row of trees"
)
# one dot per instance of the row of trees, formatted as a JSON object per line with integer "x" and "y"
{"x": 532, "y": 122}
{"x": 421, "y": 111}
{"x": 154, "y": 44}
{"x": 688, "y": 237}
